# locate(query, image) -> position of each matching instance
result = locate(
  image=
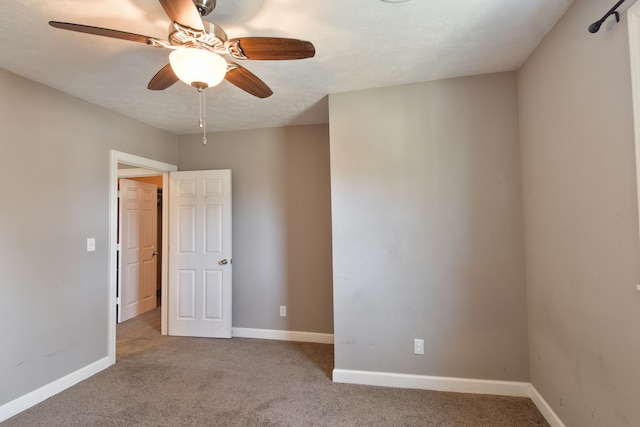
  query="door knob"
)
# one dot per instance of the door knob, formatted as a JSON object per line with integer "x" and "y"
{"x": 154, "y": 253}
{"x": 223, "y": 262}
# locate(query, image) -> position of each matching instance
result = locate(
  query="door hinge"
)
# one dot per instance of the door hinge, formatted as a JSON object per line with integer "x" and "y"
{"x": 118, "y": 194}
{"x": 118, "y": 247}
{"x": 118, "y": 301}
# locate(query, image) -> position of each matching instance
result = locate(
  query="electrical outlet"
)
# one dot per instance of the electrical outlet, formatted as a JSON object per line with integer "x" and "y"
{"x": 418, "y": 346}
{"x": 283, "y": 311}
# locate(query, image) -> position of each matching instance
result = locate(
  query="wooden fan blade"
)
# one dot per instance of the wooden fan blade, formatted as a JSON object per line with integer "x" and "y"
{"x": 163, "y": 79}
{"x": 184, "y": 12}
{"x": 247, "y": 81}
{"x": 105, "y": 32}
{"x": 270, "y": 48}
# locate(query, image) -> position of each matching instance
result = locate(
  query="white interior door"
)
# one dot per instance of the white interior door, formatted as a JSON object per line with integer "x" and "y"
{"x": 138, "y": 218}
{"x": 200, "y": 253}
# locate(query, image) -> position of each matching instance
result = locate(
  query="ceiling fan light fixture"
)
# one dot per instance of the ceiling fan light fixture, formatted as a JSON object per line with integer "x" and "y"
{"x": 198, "y": 67}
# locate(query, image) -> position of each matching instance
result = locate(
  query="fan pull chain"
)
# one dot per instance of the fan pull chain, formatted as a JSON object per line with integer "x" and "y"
{"x": 202, "y": 122}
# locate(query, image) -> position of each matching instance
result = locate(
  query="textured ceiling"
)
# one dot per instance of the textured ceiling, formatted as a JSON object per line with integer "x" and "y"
{"x": 359, "y": 44}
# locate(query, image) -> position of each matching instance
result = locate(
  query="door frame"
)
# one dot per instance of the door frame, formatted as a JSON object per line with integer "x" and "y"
{"x": 633, "y": 16}
{"x": 160, "y": 168}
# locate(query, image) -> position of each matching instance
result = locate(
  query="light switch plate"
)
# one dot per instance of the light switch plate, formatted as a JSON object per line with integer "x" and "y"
{"x": 91, "y": 244}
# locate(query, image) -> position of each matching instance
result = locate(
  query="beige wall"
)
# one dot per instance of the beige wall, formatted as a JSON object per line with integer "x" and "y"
{"x": 54, "y": 166}
{"x": 581, "y": 221}
{"x": 281, "y": 222}
{"x": 427, "y": 229}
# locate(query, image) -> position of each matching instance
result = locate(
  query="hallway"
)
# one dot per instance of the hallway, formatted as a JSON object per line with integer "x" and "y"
{"x": 138, "y": 334}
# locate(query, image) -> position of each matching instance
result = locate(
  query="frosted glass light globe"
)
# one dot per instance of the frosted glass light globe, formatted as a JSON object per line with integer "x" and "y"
{"x": 198, "y": 67}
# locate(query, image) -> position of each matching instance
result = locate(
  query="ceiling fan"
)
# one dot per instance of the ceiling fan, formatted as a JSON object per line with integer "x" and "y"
{"x": 198, "y": 48}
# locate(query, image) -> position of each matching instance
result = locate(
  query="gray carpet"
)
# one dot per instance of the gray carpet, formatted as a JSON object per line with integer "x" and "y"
{"x": 175, "y": 381}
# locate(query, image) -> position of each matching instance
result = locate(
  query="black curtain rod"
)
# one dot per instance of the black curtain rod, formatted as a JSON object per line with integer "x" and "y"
{"x": 593, "y": 28}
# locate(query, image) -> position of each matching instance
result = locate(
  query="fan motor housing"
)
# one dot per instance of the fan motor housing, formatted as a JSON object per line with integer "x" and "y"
{"x": 205, "y": 7}
{"x": 214, "y": 37}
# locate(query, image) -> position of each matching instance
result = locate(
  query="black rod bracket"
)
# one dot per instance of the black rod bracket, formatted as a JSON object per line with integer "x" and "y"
{"x": 593, "y": 28}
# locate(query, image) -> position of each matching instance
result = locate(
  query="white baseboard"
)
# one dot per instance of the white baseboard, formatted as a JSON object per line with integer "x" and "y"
{"x": 458, "y": 385}
{"x": 547, "y": 412}
{"x": 271, "y": 334}
{"x": 22, "y": 403}
{"x": 382, "y": 379}
{"x": 425, "y": 382}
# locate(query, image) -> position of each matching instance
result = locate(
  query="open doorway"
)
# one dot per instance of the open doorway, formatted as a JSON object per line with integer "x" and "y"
{"x": 140, "y": 166}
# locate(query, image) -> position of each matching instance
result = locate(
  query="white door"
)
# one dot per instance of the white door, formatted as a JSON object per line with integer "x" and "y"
{"x": 200, "y": 253}
{"x": 138, "y": 219}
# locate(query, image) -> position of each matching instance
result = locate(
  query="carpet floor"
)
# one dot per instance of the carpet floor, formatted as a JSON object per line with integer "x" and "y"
{"x": 177, "y": 381}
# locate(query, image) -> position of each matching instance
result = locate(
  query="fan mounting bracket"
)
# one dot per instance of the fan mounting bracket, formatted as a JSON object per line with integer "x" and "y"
{"x": 233, "y": 48}
{"x": 205, "y": 7}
